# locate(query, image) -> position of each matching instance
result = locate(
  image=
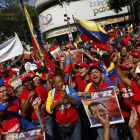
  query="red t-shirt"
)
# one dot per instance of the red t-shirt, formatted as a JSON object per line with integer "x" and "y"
{"x": 125, "y": 101}
{"x": 81, "y": 83}
{"x": 126, "y": 39}
{"x": 70, "y": 113}
{"x": 112, "y": 35}
{"x": 6, "y": 80}
{"x": 104, "y": 85}
{"x": 136, "y": 101}
{"x": 40, "y": 97}
{"x": 12, "y": 125}
{"x": 13, "y": 104}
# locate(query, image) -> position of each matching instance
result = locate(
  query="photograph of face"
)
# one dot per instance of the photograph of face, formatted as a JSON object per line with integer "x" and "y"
{"x": 104, "y": 102}
{"x": 28, "y": 66}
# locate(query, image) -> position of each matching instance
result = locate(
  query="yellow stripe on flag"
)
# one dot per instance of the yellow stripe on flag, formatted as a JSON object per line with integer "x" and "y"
{"x": 90, "y": 25}
{"x": 31, "y": 29}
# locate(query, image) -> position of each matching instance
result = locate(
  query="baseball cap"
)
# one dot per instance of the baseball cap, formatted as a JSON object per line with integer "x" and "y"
{"x": 25, "y": 76}
{"x": 95, "y": 67}
{"x": 94, "y": 64}
{"x": 136, "y": 54}
{"x": 106, "y": 54}
{"x": 83, "y": 64}
{"x": 3, "y": 106}
{"x": 12, "y": 72}
{"x": 124, "y": 65}
{"x": 3, "y": 70}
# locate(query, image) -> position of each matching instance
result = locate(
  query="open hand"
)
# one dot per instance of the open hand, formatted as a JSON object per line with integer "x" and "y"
{"x": 105, "y": 123}
{"x": 133, "y": 119}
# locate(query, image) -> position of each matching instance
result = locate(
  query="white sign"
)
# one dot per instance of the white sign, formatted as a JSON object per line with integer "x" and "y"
{"x": 10, "y": 49}
{"x": 81, "y": 9}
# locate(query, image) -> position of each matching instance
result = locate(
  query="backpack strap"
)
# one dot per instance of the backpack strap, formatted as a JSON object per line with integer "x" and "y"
{"x": 67, "y": 89}
{"x": 53, "y": 93}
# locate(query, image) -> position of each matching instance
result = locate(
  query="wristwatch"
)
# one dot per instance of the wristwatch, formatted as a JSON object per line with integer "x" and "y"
{"x": 137, "y": 77}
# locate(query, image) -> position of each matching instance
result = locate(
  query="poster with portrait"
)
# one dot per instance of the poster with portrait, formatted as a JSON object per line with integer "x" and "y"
{"x": 76, "y": 55}
{"x": 104, "y": 101}
{"x": 35, "y": 133}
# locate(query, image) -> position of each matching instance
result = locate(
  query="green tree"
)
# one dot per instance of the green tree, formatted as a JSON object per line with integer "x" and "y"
{"x": 117, "y": 6}
{"x": 12, "y": 19}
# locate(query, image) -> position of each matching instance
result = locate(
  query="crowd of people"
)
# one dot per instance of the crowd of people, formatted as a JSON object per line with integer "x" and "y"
{"x": 59, "y": 94}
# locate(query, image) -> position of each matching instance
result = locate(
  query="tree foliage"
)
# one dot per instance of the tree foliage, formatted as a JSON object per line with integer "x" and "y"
{"x": 117, "y": 5}
{"x": 12, "y": 19}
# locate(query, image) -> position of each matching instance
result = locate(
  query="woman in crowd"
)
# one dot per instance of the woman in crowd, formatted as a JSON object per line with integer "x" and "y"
{"x": 63, "y": 101}
{"x": 124, "y": 54}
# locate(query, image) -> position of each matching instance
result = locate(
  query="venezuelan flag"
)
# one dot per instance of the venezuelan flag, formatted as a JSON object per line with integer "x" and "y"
{"x": 91, "y": 30}
{"x": 55, "y": 43}
{"x": 26, "y": 54}
{"x": 37, "y": 106}
{"x": 68, "y": 65}
{"x": 36, "y": 42}
{"x": 104, "y": 27}
{"x": 57, "y": 52}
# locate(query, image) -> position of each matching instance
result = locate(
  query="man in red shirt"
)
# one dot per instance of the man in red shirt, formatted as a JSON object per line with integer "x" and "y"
{"x": 126, "y": 38}
{"x": 96, "y": 84}
{"x": 135, "y": 100}
{"x": 32, "y": 95}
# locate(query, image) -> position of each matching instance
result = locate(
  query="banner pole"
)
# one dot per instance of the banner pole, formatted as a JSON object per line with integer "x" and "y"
{"x": 77, "y": 27}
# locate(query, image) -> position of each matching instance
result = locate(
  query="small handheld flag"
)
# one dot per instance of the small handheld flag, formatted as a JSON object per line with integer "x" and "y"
{"x": 57, "y": 52}
{"x": 26, "y": 54}
{"x": 38, "y": 108}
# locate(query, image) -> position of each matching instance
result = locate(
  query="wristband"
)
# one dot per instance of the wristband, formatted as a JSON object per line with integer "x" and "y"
{"x": 137, "y": 77}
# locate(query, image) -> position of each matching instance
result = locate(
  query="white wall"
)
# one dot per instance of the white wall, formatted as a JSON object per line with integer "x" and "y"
{"x": 84, "y": 9}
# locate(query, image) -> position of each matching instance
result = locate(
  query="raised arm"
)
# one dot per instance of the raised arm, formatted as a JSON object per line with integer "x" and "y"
{"x": 121, "y": 75}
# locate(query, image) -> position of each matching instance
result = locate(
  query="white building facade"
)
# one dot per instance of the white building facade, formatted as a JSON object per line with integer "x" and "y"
{"x": 51, "y": 16}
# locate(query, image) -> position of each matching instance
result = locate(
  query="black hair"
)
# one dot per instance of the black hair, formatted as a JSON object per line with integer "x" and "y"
{"x": 42, "y": 70}
{"x": 138, "y": 45}
{"x": 121, "y": 43}
{"x": 131, "y": 41}
{"x": 112, "y": 45}
{"x": 54, "y": 76}
{"x": 85, "y": 56}
{"x": 18, "y": 63}
{"x": 94, "y": 104}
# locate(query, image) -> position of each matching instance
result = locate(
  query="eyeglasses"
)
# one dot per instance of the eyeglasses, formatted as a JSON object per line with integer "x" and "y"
{"x": 4, "y": 91}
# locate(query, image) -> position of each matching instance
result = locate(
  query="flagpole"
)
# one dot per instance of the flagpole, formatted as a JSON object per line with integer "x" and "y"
{"x": 76, "y": 27}
{"x": 22, "y": 3}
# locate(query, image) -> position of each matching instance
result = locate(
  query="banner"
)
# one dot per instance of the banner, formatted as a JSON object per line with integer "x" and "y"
{"x": 31, "y": 134}
{"x": 76, "y": 55}
{"x": 16, "y": 82}
{"x": 10, "y": 49}
{"x": 104, "y": 101}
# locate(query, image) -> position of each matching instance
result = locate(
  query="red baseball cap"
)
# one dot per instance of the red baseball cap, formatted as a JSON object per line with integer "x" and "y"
{"x": 76, "y": 63}
{"x": 3, "y": 70}
{"x": 83, "y": 64}
{"x": 25, "y": 76}
{"x": 94, "y": 64}
{"x": 124, "y": 65}
{"x": 136, "y": 55}
{"x": 12, "y": 72}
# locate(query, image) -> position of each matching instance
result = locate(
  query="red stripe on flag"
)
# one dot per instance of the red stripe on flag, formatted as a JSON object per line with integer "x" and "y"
{"x": 98, "y": 43}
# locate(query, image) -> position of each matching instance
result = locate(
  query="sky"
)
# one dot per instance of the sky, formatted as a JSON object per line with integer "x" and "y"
{"x": 31, "y": 2}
